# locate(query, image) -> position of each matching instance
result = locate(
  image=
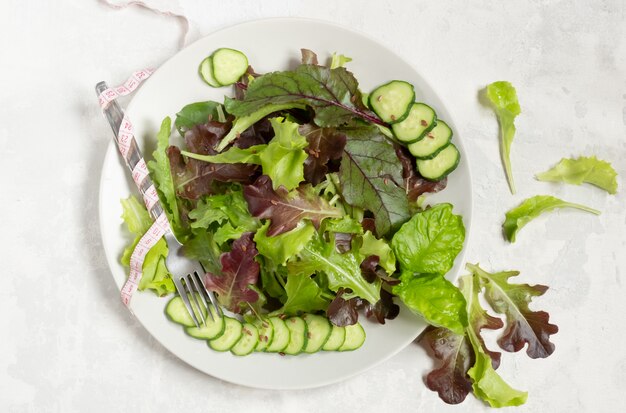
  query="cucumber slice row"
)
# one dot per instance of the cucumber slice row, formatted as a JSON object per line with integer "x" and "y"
{"x": 223, "y": 67}
{"x": 309, "y": 333}
{"x": 441, "y": 165}
{"x": 433, "y": 143}
{"x": 392, "y": 101}
{"x": 420, "y": 120}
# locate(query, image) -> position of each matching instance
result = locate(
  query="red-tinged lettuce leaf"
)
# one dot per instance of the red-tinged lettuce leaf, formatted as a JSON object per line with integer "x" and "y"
{"x": 308, "y": 57}
{"x": 450, "y": 379}
{"x": 372, "y": 179}
{"x": 325, "y": 145}
{"x": 332, "y": 93}
{"x": 343, "y": 241}
{"x": 371, "y": 270}
{"x": 239, "y": 272}
{"x": 523, "y": 326}
{"x": 193, "y": 178}
{"x": 383, "y": 309}
{"x": 285, "y": 209}
{"x": 414, "y": 184}
{"x": 343, "y": 312}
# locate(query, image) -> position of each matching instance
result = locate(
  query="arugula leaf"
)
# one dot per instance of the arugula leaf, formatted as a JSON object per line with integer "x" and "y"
{"x": 523, "y": 325}
{"x": 194, "y": 114}
{"x": 434, "y": 298}
{"x": 378, "y": 247}
{"x": 531, "y": 208}
{"x": 430, "y": 241}
{"x": 303, "y": 295}
{"x": 504, "y": 99}
{"x": 239, "y": 271}
{"x": 285, "y": 209}
{"x": 339, "y": 60}
{"x": 370, "y": 178}
{"x": 333, "y": 94}
{"x": 283, "y": 247}
{"x": 155, "y": 275}
{"x": 163, "y": 181}
{"x": 583, "y": 169}
{"x": 342, "y": 270}
{"x": 325, "y": 146}
{"x": 450, "y": 379}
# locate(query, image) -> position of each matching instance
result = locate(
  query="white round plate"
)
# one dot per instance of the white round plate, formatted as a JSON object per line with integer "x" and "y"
{"x": 270, "y": 45}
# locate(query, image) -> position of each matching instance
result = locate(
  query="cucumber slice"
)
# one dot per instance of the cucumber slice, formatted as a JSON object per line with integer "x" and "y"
{"x": 434, "y": 142}
{"x": 319, "y": 329}
{"x": 297, "y": 335}
{"x": 281, "y": 335}
{"x": 228, "y": 65}
{"x": 392, "y": 101}
{"x": 336, "y": 339}
{"x": 212, "y": 328}
{"x": 232, "y": 334}
{"x": 247, "y": 342}
{"x": 266, "y": 334}
{"x": 355, "y": 337}
{"x": 420, "y": 120}
{"x": 206, "y": 72}
{"x": 177, "y": 312}
{"x": 441, "y": 165}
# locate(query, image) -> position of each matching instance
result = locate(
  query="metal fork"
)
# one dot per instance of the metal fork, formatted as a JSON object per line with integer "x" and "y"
{"x": 198, "y": 300}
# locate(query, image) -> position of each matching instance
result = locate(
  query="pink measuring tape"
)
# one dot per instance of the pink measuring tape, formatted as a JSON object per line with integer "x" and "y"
{"x": 126, "y": 141}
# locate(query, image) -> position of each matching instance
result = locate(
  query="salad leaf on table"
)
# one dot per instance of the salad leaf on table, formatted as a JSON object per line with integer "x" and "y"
{"x": 285, "y": 209}
{"x": 583, "y": 169}
{"x": 371, "y": 179}
{"x": 531, "y": 208}
{"x": 523, "y": 325}
{"x": 504, "y": 100}
{"x": 239, "y": 271}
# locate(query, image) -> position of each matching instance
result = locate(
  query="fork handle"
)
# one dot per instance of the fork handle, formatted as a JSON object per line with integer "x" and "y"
{"x": 115, "y": 116}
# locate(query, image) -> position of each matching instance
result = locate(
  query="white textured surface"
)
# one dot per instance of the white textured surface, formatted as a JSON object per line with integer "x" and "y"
{"x": 68, "y": 344}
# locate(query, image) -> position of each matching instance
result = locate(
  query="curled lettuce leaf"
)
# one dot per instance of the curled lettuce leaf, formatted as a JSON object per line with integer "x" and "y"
{"x": 531, "y": 208}
{"x": 504, "y": 100}
{"x": 282, "y": 247}
{"x": 583, "y": 169}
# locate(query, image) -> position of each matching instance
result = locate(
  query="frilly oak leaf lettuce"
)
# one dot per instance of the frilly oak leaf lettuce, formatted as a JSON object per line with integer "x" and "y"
{"x": 531, "y": 208}
{"x": 430, "y": 241}
{"x": 504, "y": 100}
{"x": 325, "y": 145}
{"x": 332, "y": 93}
{"x": 239, "y": 271}
{"x": 285, "y": 209}
{"x": 583, "y": 169}
{"x": 371, "y": 179}
{"x": 523, "y": 326}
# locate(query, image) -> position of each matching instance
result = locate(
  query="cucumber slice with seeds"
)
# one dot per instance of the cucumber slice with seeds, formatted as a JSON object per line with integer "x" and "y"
{"x": 228, "y": 65}
{"x": 206, "y": 72}
{"x": 392, "y": 101}
{"x": 297, "y": 335}
{"x": 433, "y": 143}
{"x": 232, "y": 333}
{"x": 177, "y": 312}
{"x": 211, "y": 329}
{"x": 441, "y": 165}
{"x": 281, "y": 335}
{"x": 336, "y": 339}
{"x": 319, "y": 329}
{"x": 247, "y": 342}
{"x": 266, "y": 334}
{"x": 355, "y": 337}
{"x": 420, "y": 120}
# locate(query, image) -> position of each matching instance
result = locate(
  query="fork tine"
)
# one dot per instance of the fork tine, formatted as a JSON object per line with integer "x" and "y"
{"x": 180, "y": 287}
{"x": 202, "y": 292}
{"x": 194, "y": 296}
{"x": 218, "y": 309}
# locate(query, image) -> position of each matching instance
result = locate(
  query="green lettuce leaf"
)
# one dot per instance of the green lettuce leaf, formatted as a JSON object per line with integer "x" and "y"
{"x": 339, "y": 60}
{"x": 341, "y": 270}
{"x": 201, "y": 246}
{"x": 303, "y": 295}
{"x": 504, "y": 100}
{"x": 233, "y": 155}
{"x": 583, "y": 169}
{"x": 280, "y": 248}
{"x": 161, "y": 175}
{"x": 374, "y": 246}
{"x": 435, "y": 298}
{"x": 531, "y": 208}
{"x": 155, "y": 275}
{"x": 195, "y": 114}
{"x": 430, "y": 241}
